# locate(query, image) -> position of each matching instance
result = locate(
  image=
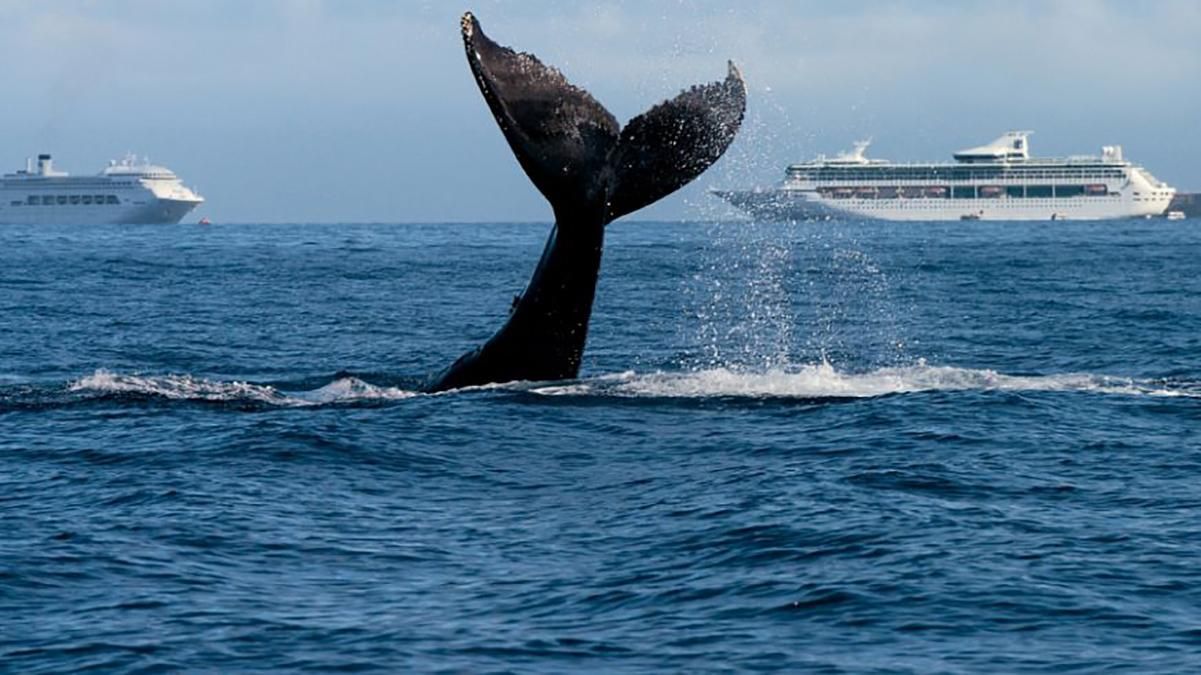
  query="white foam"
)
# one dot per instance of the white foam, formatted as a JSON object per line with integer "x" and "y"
{"x": 825, "y": 381}
{"x": 815, "y": 381}
{"x": 353, "y": 389}
{"x": 186, "y": 387}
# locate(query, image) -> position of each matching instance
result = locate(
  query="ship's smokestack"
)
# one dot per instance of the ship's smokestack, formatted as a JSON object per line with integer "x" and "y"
{"x": 44, "y": 164}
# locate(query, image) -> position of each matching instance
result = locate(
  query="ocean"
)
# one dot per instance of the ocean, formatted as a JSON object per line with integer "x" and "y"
{"x": 816, "y": 447}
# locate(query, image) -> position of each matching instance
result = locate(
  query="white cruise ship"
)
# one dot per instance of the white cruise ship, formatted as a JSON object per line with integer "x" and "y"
{"x": 997, "y": 181}
{"x": 127, "y": 191}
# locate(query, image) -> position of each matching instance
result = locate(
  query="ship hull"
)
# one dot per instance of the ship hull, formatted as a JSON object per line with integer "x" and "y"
{"x": 150, "y": 212}
{"x": 797, "y": 205}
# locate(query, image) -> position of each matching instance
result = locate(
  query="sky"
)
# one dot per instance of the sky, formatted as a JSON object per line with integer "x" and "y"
{"x": 365, "y": 111}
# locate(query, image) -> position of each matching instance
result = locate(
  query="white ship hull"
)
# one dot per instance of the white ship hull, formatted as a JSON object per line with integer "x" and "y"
{"x": 159, "y": 211}
{"x": 1071, "y": 208}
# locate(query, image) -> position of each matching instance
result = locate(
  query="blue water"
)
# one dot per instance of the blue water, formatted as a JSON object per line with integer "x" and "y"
{"x": 825, "y": 447}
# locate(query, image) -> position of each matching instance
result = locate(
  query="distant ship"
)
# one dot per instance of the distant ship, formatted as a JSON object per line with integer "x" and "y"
{"x": 127, "y": 191}
{"x": 997, "y": 181}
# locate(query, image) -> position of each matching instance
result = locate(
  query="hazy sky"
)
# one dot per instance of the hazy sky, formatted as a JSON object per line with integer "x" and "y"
{"x": 364, "y": 110}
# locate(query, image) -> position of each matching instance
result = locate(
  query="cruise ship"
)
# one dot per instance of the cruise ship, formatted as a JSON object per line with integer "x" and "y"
{"x": 997, "y": 181}
{"x": 126, "y": 191}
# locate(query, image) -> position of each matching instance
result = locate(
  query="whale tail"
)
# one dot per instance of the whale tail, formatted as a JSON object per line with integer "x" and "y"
{"x": 591, "y": 171}
{"x": 573, "y": 149}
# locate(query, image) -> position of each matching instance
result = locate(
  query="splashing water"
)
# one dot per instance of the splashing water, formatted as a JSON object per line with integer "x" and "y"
{"x": 823, "y": 381}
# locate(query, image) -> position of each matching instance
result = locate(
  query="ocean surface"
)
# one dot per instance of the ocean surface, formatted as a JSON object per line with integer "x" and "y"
{"x": 819, "y": 447}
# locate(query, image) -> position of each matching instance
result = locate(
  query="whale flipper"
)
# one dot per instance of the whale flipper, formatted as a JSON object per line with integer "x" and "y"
{"x": 591, "y": 171}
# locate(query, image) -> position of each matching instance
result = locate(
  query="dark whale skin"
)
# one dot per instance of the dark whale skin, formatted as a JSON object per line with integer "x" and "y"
{"x": 592, "y": 171}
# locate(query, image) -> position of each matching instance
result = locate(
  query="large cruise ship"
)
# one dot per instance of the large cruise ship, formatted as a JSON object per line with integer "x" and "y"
{"x": 127, "y": 191}
{"x": 997, "y": 181}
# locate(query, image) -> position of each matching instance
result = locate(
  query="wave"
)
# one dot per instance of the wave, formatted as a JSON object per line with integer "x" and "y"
{"x": 824, "y": 381}
{"x": 808, "y": 382}
{"x": 188, "y": 388}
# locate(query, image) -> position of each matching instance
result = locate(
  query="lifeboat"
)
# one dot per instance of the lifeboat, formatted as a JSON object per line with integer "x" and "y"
{"x": 936, "y": 191}
{"x": 842, "y": 193}
{"x": 911, "y": 192}
{"x": 1096, "y": 190}
{"x": 865, "y": 192}
{"x": 990, "y": 191}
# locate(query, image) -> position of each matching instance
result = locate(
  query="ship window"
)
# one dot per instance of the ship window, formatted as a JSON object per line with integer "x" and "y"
{"x": 86, "y": 199}
{"x": 17, "y": 202}
{"x": 1069, "y": 190}
{"x": 99, "y": 199}
{"x": 74, "y": 199}
{"x": 1015, "y": 191}
{"x": 112, "y": 199}
{"x": 61, "y": 199}
{"x": 33, "y": 200}
{"x": 1039, "y": 191}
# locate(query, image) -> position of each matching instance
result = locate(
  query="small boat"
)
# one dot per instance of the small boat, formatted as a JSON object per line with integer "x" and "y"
{"x": 970, "y": 216}
{"x": 1175, "y": 215}
{"x": 204, "y": 221}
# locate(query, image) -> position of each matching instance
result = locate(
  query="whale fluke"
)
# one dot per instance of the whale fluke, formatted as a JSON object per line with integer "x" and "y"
{"x": 665, "y": 148}
{"x": 562, "y": 137}
{"x": 592, "y": 172}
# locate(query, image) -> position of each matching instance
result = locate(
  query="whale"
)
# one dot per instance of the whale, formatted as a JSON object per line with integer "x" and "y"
{"x": 592, "y": 171}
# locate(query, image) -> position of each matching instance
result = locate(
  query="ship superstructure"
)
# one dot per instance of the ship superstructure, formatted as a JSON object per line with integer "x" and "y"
{"x": 997, "y": 181}
{"x": 126, "y": 191}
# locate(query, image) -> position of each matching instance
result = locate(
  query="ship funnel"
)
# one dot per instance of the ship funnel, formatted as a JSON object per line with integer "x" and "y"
{"x": 44, "y": 165}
